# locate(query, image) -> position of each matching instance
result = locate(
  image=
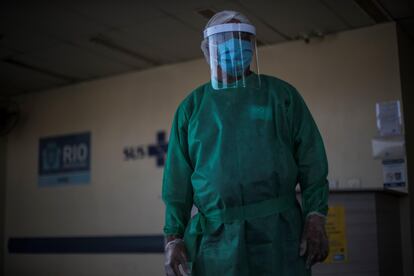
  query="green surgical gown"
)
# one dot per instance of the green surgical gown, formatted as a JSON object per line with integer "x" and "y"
{"x": 238, "y": 155}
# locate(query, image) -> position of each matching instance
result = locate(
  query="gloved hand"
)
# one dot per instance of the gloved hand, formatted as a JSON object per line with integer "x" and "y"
{"x": 314, "y": 242}
{"x": 175, "y": 255}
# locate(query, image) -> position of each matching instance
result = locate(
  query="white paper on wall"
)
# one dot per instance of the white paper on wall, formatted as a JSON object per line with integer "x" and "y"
{"x": 394, "y": 173}
{"x": 389, "y": 118}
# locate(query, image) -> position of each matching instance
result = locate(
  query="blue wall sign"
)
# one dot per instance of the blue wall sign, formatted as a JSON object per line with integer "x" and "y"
{"x": 64, "y": 159}
{"x": 394, "y": 173}
{"x": 157, "y": 150}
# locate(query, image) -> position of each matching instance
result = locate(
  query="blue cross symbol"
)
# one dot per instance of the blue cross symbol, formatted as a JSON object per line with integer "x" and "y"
{"x": 159, "y": 150}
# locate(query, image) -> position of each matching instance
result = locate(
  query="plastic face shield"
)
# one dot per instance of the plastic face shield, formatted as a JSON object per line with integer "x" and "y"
{"x": 233, "y": 56}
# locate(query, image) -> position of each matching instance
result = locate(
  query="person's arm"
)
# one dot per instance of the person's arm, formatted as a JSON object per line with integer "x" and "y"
{"x": 177, "y": 191}
{"x": 177, "y": 194}
{"x": 310, "y": 157}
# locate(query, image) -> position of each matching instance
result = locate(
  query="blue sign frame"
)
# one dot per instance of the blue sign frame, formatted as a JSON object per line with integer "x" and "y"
{"x": 64, "y": 159}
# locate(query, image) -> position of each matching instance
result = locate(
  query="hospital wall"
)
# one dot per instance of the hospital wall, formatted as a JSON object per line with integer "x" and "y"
{"x": 341, "y": 77}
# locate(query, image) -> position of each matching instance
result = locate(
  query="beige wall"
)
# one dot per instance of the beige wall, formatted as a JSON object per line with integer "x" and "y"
{"x": 341, "y": 77}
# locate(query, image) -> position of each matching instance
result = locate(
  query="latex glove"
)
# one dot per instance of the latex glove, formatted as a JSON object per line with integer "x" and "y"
{"x": 175, "y": 255}
{"x": 314, "y": 242}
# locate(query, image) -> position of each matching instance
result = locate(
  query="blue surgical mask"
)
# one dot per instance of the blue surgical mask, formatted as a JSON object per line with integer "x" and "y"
{"x": 235, "y": 56}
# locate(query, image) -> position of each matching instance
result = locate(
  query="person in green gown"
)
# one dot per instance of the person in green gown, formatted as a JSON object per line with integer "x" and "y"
{"x": 238, "y": 147}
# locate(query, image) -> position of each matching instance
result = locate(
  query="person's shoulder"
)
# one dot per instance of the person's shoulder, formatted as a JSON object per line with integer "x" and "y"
{"x": 278, "y": 86}
{"x": 273, "y": 81}
{"x": 190, "y": 101}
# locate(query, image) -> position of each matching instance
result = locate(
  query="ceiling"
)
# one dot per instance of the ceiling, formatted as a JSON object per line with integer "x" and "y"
{"x": 46, "y": 44}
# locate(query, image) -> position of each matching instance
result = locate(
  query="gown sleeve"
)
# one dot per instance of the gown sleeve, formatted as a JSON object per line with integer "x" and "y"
{"x": 177, "y": 192}
{"x": 310, "y": 157}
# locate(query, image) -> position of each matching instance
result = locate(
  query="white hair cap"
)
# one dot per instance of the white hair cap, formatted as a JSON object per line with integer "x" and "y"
{"x": 222, "y": 18}
{"x": 225, "y": 16}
